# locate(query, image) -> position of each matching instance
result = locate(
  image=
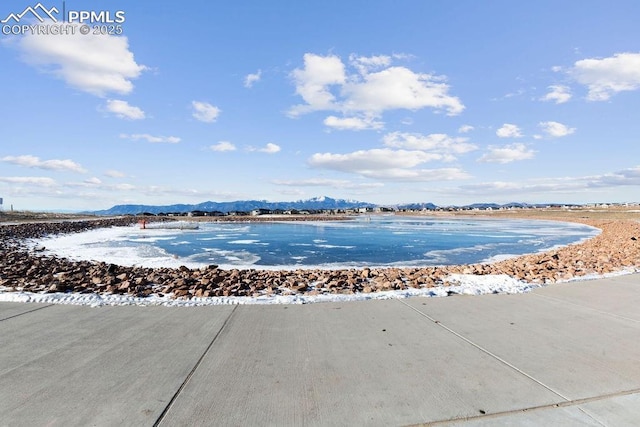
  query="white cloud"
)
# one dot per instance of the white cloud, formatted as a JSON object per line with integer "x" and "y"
{"x": 386, "y": 164}
{"x": 557, "y": 93}
{"x": 367, "y": 92}
{"x": 378, "y": 158}
{"x": 270, "y": 148}
{"x": 151, "y": 138}
{"x": 205, "y": 112}
{"x": 465, "y": 129}
{"x": 629, "y": 176}
{"x": 313, "y": 81}
{"x": 420, "y": 175}
{"x": 250, "y": 79}
{"x": 556, "y": 129}
{"x": 546, "y": 186}
{"x": 124, "y": 187}
{"x": 93, "y": 181}
{"x": 123, "y": 110}
{"x": 365, "y": 64}
{"x": 32, "y": 180}
{"x": 97, "y": 64}
{"x": 35, "y": 162}
{"x": 507, "y": 154}
{"x": 436, "y": 142}
{"x": 223, "y": 146}
{"x": 399, "y": 88}
{"x": 353, "y": 123}
{"x": 509, "y": 130}
{"x": 607, "y": 76}
{"x": 115, "y": 174}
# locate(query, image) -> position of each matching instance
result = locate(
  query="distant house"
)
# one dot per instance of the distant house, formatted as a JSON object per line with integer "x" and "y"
{"x": 260, "y": 211}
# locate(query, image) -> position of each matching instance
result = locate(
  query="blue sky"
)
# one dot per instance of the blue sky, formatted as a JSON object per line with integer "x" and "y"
{"x": 449, "y": 102}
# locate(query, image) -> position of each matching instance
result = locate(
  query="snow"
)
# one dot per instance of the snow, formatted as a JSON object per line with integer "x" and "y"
{"x": 464, "y": 284}
{"x": 458, "y": 284}
{"x": 594, "y": 276}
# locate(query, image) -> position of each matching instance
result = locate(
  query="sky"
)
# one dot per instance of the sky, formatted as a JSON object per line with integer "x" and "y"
{"x": 388, "y": 102}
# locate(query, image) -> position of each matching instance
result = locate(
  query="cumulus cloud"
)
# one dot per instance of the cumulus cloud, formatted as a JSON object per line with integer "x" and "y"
{"x": 270, "y": 148}
{"x": 465, "y": 129}
{"x": 556, "y": 129}
{"x": 251, "y": 79}
{"x": 205, "y": 112}
{"x": 399, "y": 88}
{"x": 352, "y": 123}
{"x": 509, "y": 130}
{"x": 96, "y": 64}
{"x": 371, "y": 87}
{"x": 313, "y": 82}
{"x": 123, "y": 110}
{"x": 606, "y": 77}
{"x": 35, "y": 162}
{"x": 436, "y": 142}
{"x": 365, "y": 64}
{"x": 386, "y": 164}
{"x": 558, "y": 94}
{"x": 507, "y": 154}
{"x": 151, "y": 138}
{"x": 377, "y": 158}
{"x": 223, "y": 146}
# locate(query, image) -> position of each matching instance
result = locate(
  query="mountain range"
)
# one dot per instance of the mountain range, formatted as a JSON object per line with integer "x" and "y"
{"x": 316, "y": 203}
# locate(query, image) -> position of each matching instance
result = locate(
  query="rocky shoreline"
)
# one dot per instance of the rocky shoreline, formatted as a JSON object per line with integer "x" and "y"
{"x": 28, "y": 270}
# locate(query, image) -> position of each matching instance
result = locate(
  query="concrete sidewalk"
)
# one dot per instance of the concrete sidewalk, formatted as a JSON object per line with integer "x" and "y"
{"x": 566, "y": 354}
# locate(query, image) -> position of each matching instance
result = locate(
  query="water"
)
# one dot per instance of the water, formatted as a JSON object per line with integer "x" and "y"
{"x": 377, "y": 241}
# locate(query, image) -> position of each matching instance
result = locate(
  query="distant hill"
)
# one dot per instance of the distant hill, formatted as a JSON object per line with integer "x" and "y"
{"x": 317, "y": 203}
{"x": 418, "y": 206}
{"x": 314, "y": 204}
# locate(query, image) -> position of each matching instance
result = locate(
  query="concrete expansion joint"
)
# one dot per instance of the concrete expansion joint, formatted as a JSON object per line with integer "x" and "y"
{"x": 570, "y": 403}
{"x": 488, "y": 352}
{"x": 27, "y": 312}
{"x": 606, "y": 313}
{"x": 165, "y": 411}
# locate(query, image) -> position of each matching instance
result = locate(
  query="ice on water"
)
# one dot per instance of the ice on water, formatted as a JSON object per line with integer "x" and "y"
{"x": 382, "y": 241}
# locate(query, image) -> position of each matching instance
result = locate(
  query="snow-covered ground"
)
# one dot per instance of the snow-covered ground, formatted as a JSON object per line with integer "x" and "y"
{"x": 464, "y": 284}
{"x": 459, "y": 284}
